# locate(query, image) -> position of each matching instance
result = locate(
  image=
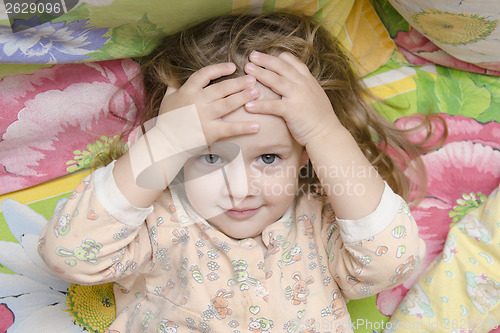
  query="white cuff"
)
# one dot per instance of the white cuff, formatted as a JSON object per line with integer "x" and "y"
{"x": 369, "y": 226}
{"x": 114, "y": 202}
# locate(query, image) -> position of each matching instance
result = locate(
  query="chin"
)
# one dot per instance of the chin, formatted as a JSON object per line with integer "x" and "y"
{"x": 239, "y": 234}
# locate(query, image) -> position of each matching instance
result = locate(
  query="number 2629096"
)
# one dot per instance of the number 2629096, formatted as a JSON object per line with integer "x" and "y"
{"x": 33, "y": 8}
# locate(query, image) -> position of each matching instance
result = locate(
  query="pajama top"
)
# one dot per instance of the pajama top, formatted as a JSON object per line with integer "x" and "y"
{"x": 176, "y": 273}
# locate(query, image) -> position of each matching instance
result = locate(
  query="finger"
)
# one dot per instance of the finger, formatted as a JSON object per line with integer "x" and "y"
{"x": 229, "y": 87}
{"x": 295, "y": 63}
{"x": 201, "y": 78}
{"x": 233, "y": 102}
{"x": 277, "y": 83}
{"x": 280, "y": 65}
{"x": 228, "y": 129}
{"x": 276, "y": 107}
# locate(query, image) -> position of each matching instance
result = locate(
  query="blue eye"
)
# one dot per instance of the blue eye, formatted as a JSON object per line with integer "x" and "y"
{"x": 210, "y": 159}
{"x": 268, "y": 158}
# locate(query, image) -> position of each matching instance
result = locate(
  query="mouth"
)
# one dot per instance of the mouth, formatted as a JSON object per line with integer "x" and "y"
{"x": 241, "y": 213}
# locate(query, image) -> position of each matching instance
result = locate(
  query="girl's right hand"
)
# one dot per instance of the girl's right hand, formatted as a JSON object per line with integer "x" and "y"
{"x": 215, "y": 101}
{"x": 182, "y": 130}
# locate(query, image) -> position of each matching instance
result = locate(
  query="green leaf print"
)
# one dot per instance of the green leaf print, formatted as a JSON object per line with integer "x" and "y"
{"x": 83, "y": 158}
{"x": 458, "y": 94}
{"x": 79, "y": 13}
{"x": 466, "y": 204}
{"x": 5, "y": 270}
{"x": 426, "y": 96}
{"x": 390, "y": 17}
{"x": 132, "y": 40}
{"x": 492, "y": 84}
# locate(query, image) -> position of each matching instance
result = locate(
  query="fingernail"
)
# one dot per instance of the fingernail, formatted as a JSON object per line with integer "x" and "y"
{"x": 251, "y": 67}
{"x": 254, "y": 54}
{"x": 255, "y": 127}
{"x": 250, "y": 105}
{"x": 254, "y": 92}
{"x": 250, "y": 79}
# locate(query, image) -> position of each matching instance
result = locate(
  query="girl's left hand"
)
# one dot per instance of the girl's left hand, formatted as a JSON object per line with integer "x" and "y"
{"x": 304, "y": 105}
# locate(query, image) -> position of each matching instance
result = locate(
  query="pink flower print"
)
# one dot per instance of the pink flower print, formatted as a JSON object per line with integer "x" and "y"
{"x": 495, "y": 66}
{"x": 419, "y": 50}
{"x": 466, "y": 163}
{"x": 414, "y": 41}
{"x": 48, "y": 115}
{"x": 6, "y": 318}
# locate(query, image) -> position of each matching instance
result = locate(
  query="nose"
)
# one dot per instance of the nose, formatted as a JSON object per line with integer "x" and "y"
{"x": 236, "y": 179}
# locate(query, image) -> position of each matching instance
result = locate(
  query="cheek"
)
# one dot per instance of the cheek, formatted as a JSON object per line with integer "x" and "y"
{"x": 279, "y": 187}
{"x": 203, "y": 190}
{"x": 204, "y": 195}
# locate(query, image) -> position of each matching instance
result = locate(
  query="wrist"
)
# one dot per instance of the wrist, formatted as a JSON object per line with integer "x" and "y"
{"x": 158, "y": 155}
{"x": 332, "y": 133}
{"x": 182, "y": 129}
{"x": 115, "y": 202}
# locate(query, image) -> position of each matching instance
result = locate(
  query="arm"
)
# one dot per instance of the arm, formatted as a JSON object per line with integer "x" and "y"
{"x": 84, "y": 243}
{"x": 352, "y": 184}
{"x": 376, "y": 252}
{"x": 344, "y": 172}
{"x": 355, "y": 190}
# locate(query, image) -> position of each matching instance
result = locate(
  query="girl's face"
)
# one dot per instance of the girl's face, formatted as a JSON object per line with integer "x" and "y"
{"x": 244, "y": 183}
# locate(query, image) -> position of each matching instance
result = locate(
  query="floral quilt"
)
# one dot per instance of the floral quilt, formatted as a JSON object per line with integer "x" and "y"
{"x": 458, "y": 34}
{"x": 461, "y": 174}
{"x": 55, "y": 115}
{"x": 65, "y": 82}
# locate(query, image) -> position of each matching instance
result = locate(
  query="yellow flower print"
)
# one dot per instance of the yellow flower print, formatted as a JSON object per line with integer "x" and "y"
{"x": 453, "y": 28}
{"x": 92, "y": 307}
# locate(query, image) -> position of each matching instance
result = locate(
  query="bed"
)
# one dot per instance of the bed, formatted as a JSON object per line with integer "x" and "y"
{"x": 59, "y": 77}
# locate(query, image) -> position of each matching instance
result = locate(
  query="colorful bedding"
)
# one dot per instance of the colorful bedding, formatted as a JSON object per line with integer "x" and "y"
{"x": 461, "y": 290}
{"x": 60, "y": 81}
{"x": 55, "y": 115}
{"x": 457, "y": 34}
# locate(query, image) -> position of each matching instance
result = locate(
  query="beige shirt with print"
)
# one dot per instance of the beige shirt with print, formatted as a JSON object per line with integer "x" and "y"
{"x": 176, "y": 273}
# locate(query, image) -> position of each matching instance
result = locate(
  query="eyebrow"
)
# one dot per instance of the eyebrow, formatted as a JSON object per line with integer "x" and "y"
{"x": 274, "y": 147}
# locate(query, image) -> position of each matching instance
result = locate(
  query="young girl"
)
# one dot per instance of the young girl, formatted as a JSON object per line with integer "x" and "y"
{"x": 278, "y": 213}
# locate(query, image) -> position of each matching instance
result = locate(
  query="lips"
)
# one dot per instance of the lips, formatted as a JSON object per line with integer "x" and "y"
{"x": 242, "y": 213}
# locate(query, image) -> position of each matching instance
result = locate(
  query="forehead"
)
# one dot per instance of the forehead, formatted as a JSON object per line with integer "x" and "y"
{"x": 273, "y": 129}
{"x": 241, "y": 115}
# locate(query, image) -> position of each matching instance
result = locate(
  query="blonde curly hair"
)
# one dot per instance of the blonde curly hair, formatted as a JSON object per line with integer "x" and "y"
{"x": 232, "y": 38}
